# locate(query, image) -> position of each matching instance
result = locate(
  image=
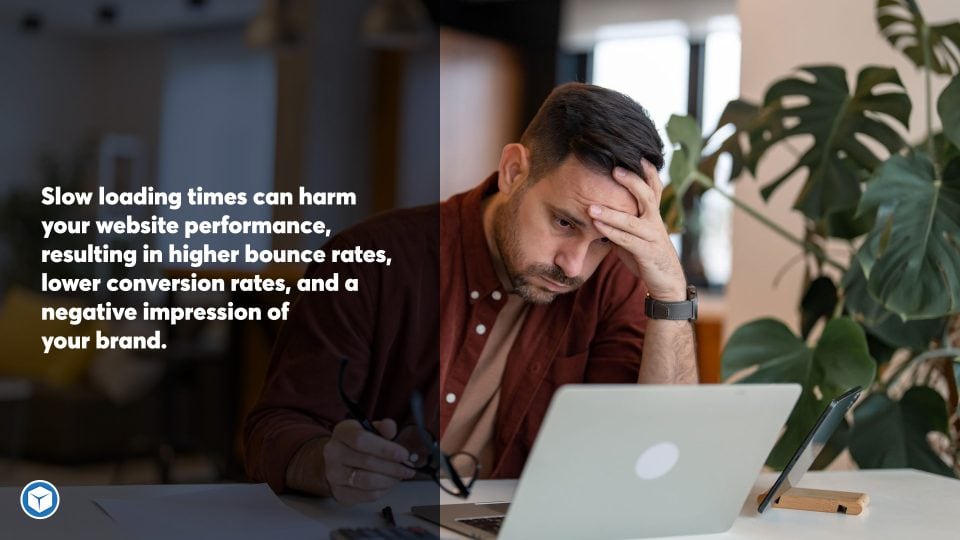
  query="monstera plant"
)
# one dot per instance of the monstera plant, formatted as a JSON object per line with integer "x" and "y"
{"x": 885, "y": 316}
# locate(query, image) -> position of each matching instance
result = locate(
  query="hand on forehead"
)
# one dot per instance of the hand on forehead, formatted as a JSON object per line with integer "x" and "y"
{"x": 583, "y": 186}
{"x": 619, "y": 198}
{"x": 603, "y": 190}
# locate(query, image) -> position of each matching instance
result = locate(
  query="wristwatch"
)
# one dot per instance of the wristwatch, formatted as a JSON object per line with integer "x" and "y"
{"x": 685, "y": 310}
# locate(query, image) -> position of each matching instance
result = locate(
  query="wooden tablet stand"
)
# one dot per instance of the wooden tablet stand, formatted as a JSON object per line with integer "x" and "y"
{"x": 821, "y": 500}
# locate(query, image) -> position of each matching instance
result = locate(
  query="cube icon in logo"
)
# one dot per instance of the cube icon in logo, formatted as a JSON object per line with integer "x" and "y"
{"x": 39, "y": 499}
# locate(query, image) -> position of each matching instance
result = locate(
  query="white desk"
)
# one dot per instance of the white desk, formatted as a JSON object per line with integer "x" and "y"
{"x": 903, "y": 504}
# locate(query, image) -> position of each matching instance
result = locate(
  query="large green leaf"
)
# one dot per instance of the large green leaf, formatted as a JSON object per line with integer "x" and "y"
{"x": 912, "y": 256}
{"x": 769, "y": 345}
{"x": 841, "y": 354}
{"x": 893, "y": 434}
{"x": 948, "y": 106}
{"x": 684, "y": 133}
{"x": 904, "y": 27}
{"x": 839, "y": 362}
{"x": 881, "y": 323}
{"x": 671, "y": 210}
{"x": 838, "y": 121}
{"x": 943, "y": 148}
{"x": 736, "y": 121}
{"x": 847, "y": 224}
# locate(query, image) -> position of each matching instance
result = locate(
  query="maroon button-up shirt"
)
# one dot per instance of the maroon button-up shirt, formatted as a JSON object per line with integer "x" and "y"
{"x": 402, "y": 336}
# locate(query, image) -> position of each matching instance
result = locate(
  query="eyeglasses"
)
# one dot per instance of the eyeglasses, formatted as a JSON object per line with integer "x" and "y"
{"x": 454, "y": 473}
{"x": 354, "y": 410}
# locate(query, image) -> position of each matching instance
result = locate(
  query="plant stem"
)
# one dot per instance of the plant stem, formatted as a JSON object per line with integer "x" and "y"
{"x": 806, "y": 245}
{"x": 920, "y": 358}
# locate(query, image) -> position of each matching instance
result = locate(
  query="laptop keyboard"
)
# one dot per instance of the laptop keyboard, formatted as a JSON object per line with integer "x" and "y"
{"x": 488, "y": 524}
{"x": 383, "y": 533}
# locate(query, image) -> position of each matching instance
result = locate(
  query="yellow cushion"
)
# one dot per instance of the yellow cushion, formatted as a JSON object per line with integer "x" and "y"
{"x": 21, "y": 329}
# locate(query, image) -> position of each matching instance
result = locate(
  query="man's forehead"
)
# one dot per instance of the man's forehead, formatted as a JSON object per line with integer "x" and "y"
{"x": 581, "y": 187}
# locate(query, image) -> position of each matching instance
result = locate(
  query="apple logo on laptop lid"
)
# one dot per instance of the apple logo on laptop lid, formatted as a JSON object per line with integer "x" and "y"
{"x": 657, "y": 461}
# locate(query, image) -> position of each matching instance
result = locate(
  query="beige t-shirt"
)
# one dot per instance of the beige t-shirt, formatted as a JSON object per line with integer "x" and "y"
{"x": 471, "y": 428}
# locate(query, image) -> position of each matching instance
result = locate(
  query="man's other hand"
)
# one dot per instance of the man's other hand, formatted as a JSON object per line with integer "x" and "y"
{"x": 352, "y": 465}
{"x": 361, "y": 466}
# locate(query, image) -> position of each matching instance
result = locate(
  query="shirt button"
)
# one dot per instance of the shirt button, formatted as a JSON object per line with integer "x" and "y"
{"x": 474, "y": 295}
{"x": 496, "y": 295}
{"x": 451, "y": 397}
{"x": 481, "y": 329}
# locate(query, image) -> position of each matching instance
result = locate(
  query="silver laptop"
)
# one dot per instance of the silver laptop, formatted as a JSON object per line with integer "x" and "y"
{"x": 635, "y": 461}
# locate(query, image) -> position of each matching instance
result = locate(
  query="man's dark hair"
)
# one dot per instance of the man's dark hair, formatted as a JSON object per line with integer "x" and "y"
{"x": 601, "y": 127}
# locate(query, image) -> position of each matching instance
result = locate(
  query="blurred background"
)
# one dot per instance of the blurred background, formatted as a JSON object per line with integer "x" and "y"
{"x": 404, "y": 102}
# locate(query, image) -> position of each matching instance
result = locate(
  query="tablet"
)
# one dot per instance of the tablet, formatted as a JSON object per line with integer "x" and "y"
{"x": 812, "y": 445}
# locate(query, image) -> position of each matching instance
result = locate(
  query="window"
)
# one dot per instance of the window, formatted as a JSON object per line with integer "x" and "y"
{"x": 669, "y": 70}
{"x": 648, "y": 62}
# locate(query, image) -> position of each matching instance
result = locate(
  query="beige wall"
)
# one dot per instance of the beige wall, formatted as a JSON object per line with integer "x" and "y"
{"x": 777, "y": 36}
{"x": 480, "y": 89}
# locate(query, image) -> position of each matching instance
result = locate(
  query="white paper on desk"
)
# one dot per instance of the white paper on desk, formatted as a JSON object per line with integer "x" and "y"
{"x": 236, "y": 511}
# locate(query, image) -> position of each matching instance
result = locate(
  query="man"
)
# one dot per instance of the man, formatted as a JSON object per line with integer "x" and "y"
{"x": 543, "y": 270}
